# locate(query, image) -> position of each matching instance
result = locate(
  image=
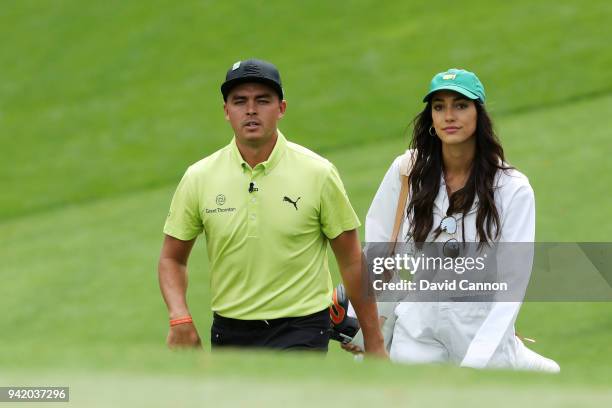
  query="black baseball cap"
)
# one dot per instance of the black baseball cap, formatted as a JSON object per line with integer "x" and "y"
{"x": 252, "y": 70}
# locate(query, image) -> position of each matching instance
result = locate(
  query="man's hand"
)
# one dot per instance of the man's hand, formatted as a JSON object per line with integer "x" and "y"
{"x": 379, "y": 352}
{"x": 183, "y": 336}
{"x": 348, "y": 254}
{"x": 355, "y": 349}
{"x": 173, "y": 285}
{"x": 351, "y": 348}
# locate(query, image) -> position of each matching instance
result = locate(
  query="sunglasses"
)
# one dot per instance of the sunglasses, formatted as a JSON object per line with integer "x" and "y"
{"x": 451, "y": 247}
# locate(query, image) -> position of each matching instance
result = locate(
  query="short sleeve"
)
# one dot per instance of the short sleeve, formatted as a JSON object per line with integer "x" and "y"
{"x": 337, "y": 214}
{"x": 184, "y": 221}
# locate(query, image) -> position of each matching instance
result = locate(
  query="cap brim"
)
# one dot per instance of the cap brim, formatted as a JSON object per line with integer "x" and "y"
{"x": 455, "y": 88}
{"x": 227, "y": 86}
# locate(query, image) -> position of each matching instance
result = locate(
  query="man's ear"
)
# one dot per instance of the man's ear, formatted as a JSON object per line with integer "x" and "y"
{"x": 225, "y": 111}
{"x": 283, "y": 108}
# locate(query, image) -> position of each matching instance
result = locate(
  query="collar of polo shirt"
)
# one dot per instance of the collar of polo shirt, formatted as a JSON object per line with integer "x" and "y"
{"x": 277, "y": 153}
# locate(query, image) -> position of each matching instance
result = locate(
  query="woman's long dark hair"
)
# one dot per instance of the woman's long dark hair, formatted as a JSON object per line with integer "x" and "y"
{"x": 427, "y": 171}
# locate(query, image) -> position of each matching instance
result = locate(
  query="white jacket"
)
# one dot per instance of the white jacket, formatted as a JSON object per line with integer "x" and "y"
{"x": 515, "y": 203}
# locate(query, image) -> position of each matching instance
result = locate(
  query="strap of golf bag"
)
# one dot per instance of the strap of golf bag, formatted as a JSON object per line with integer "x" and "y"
{"x": 401, "y": 208}
{"x": 386, "y": 309}
{"x": 400, "y": 211}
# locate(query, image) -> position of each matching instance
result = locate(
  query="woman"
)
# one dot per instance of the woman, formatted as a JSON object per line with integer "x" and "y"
{"x": 460, "y": 190}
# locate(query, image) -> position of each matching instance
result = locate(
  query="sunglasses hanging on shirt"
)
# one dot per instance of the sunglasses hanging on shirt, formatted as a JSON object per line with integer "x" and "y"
{"x": 450, "y": 248}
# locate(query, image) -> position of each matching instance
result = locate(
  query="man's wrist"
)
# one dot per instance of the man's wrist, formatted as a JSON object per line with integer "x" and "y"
{"x": 372, "y": 334}
{"x": 178, "y": 313}
{"x": 181, "y": 320}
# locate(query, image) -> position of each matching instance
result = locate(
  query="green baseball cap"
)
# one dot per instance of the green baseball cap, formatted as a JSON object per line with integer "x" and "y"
{"x": 458, "y": 80}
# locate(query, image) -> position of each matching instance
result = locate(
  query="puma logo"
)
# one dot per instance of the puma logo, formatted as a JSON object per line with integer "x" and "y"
{"x": 287, "y": 199}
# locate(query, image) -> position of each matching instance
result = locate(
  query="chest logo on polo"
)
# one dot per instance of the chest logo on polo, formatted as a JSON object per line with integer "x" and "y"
{"x": 289, "y": 200}
{"x": 220, "y": 200}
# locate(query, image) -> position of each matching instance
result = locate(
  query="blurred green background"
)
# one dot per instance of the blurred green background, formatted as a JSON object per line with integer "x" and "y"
{"x": 103, "y": 105}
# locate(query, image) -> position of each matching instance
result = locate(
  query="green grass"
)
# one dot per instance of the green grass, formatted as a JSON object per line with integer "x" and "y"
{"x": 114, "y": 96}
{"x": 261, "y": 380}
{"x": 103, "y": 105}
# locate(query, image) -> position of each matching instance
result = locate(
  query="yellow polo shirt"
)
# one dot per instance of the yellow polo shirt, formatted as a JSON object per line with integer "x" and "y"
{"x": 267, "y": 245}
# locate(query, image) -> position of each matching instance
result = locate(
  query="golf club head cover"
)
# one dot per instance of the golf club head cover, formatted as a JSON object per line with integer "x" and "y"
{"x": 343, "y": 327}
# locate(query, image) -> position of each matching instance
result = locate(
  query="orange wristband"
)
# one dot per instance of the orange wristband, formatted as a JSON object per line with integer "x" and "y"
{"x": 181, "y": 320}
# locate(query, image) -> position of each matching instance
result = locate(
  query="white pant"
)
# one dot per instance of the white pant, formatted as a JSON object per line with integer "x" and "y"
{"x": 442, "y": 332}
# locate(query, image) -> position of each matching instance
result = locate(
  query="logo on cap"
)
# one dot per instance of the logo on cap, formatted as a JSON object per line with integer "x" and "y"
{"x": 236, "y": 65}
{"x": 449, "y": 76}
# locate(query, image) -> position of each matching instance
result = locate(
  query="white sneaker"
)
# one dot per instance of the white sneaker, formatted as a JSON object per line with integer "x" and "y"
{"x": 531, "y": 361}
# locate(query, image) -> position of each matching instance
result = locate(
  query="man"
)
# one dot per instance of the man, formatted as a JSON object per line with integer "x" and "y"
{"x": 267, "y": 207}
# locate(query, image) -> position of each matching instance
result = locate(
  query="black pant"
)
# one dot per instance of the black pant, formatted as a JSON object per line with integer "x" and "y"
{"x": 288, "y": 333}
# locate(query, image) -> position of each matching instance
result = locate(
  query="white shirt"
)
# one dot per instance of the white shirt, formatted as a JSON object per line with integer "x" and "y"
{"x": 515, "y": 204}
{"x": 513, "y": 197}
